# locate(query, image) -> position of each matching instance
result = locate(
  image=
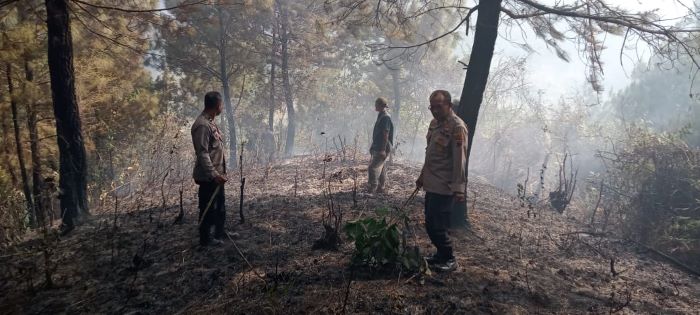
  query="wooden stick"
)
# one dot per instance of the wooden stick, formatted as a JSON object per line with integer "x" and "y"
{"x": 211, "y": 200}
{"x": 245, "y": 259}
{"x": 240, "y": 205}
{"x": 410, "y": 198}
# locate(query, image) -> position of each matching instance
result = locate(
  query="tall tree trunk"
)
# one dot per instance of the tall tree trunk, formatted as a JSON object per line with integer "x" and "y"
{"x": 232, "y": 162}
{"x": 37, "y": 180}
{"x": 7, "y": 149}
{"x": 166, "y": 96}
{"x": 475, "y": 83}
{"x": 73, "y": 162}
{"x": 479, "y": 65}
{"x": 288, "y": 98}
{"x": 273, "y": 65}
{"x": 20, "y": 150}
{"x": 395, "y": 76}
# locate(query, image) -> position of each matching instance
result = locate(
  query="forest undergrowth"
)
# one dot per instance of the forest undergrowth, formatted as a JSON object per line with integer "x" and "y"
{"x": 130, "y": 257}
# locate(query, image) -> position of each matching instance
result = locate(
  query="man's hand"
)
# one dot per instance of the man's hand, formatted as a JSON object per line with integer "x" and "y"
{"x": 382, "y": 154}
{"x": 419, "y": 183}
{"x": 459, "y": 196}
{"x": 220, "y": 179}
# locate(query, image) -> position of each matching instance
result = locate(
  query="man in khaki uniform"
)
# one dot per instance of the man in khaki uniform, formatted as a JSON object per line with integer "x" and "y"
{"x": 210, "y": 170}
{"x": 443, "y": 176}
{"x": 382, "y": 138}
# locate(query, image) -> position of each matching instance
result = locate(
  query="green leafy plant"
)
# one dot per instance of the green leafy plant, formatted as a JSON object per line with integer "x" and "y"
{"x": 380, "y": 244}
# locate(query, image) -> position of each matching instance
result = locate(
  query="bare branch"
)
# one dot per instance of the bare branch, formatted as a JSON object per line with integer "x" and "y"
{"x": 179, "y": 6}
{"x": 420, "y": 13}
{"x": 627, "y": 21}
{"x": 517, "y": 16}
{"x": 466, "y": 19}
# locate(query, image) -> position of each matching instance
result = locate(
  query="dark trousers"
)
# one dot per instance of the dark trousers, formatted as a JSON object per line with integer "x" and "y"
{"x": 216, "y": 215}
{"x": 437, "y": 220}
{"x": 459, "y": 218}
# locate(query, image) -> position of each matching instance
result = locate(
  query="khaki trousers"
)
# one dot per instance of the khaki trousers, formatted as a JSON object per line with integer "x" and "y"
{"x": 377, "y": 172}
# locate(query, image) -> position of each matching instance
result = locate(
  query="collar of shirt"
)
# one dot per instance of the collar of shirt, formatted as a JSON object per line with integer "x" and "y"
{"x": 208, "y": 117}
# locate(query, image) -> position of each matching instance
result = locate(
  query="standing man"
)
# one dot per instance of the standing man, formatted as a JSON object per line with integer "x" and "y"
{"x": 382, "y": 138}
{"x": 443, "y": 176}
{"x": 210, "y": 170}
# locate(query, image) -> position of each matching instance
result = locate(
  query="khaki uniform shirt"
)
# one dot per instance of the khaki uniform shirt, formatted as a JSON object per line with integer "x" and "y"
{"x": 445, "y": 157}
{"x": 209, "y": 149}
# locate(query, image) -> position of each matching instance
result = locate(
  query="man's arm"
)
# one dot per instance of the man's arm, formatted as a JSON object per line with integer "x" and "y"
{"x": 385, "y": 142}
{"x": 386, "y": 129}
{"x": 458, "y": 184}
{"x": 419, "y": 181}
{"x": 200, "y": 139}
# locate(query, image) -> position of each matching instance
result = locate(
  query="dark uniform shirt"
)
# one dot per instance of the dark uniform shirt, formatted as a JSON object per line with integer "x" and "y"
{"x": 382, "y": 124}
{"x": 209, "y": 149}
{"x": 445, "y": 157}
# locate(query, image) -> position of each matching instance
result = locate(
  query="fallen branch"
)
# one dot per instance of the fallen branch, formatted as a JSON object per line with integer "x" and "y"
{"x": 670, "y": 259}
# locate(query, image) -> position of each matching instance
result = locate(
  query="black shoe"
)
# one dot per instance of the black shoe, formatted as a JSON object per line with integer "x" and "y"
{"x": 212, "y": 242}
{"x": 431, "y": 260}
{"x": 65, "y": 229}
{"x": 215, "y": 242}
{"x": 446, "y": 266}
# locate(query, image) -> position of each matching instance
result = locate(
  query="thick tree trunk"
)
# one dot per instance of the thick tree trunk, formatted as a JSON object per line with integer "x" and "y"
{"x": 396, "y": 119}
{"x": 37, "y": 180}
{"x": 479, "y": 65}
{"x": 475, "y": 83}
{"x": 273, "y": 66}
{"x": 288, "y": 97}
{"x": 73, "y": 162}
{"x": 232, "y": 161}
{"x": 20, "y": 150}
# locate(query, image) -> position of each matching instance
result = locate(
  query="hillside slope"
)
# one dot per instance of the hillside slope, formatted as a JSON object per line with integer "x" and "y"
{"x": 510, "y": 264}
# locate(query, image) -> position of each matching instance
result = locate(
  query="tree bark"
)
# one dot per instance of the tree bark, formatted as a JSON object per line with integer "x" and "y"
{"x": 479, "y": 66}
{"x": 20, "y": 150}
{"x": 395, "y": 76}
{"x": 7, "y": 150}
{"x": 37, "y": 180}
{"x": 475, "y": 83}
{"x": 232, "y": 161}
{"x": 71, "y": 149}
{"x": 288, "y": 97}
{"x": 273, "y": 65}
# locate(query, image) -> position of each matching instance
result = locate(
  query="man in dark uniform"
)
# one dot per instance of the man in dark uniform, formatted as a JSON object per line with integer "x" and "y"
{"x": 210, "y": 170}
{"x": 443, "y": 176}
{"x": 382, "y": 138}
